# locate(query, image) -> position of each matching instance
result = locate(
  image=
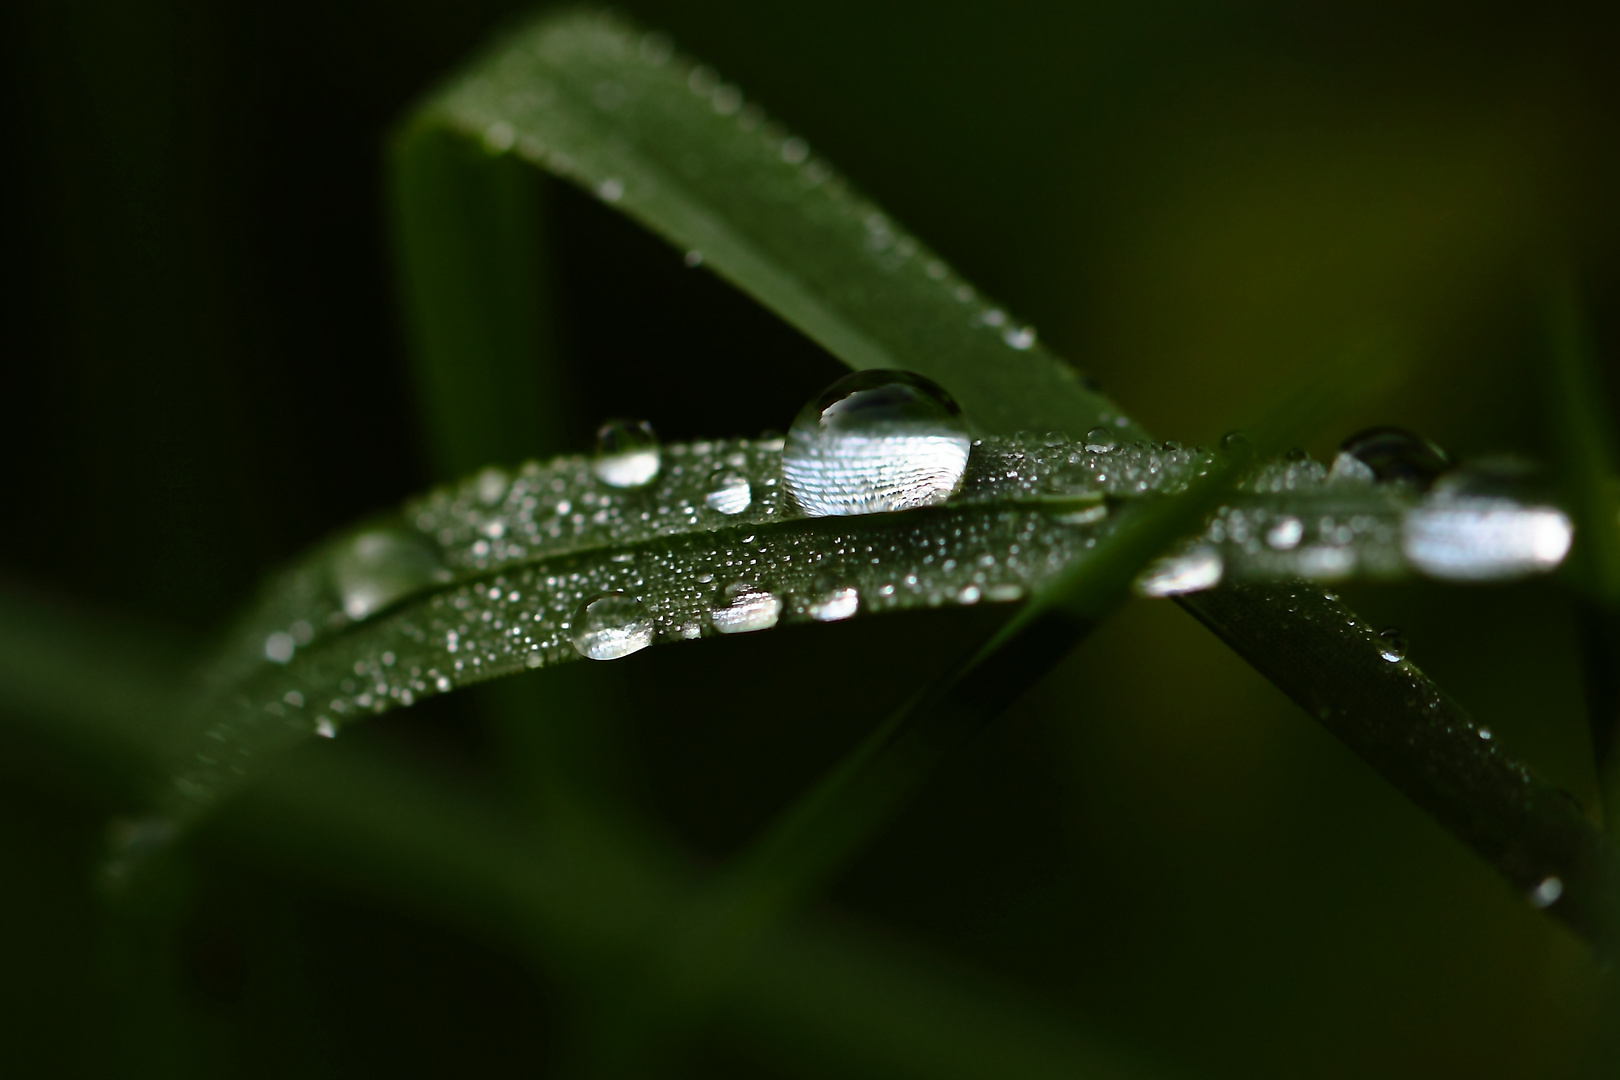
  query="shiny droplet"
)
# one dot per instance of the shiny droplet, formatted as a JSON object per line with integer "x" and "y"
{"x": 378, "y": 567}
{"x": 874, "y": 442}
{"x": 1285, "y": 534}
{"x": 729, "y": 492}
{"x": 1190, "y": 571}
{"x": 627, "y": 454}
{"x": 1395, "y": 455}
{"x": 1391, "y": 645}
{"x": 1234, "y": 441}
{"x": 279, "y": 647}
{"x": 833, "y": 602}
{"x": 610, "y": 626}
{"x": 325, "y": 728}
{"x": 748, "y": 608}
{"x": 1485, "y": 522}
{"x": 1546, "y": 894}
{"x": 1100, "y": 440}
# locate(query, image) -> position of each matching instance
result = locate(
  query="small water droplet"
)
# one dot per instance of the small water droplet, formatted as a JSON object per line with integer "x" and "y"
{"x": 729, "y": 492}
{"x": 1395, "y": 455}
{"x": 279, "y": 647}
{"x": 1546, "y": 894}
{"x": 1020, "y": 338}
{"x": 611, "y": 626}
{"x": 748, "y": 608}
{"x": 1101, "y": 440}
{"x": 325, "y": 728}
{"x": 795, "y": 150}
{"x": 693, "y": 258}
{"x": 611, "y": 190}
{"x": 1235, "y": 440}
{"x": 627, "y": 454}
{"x": 380, "y": 566}
{"x": 1285, "y": 534}
{"x": 1189, "y": 571}
{"x": 1391, "y": 645}
{"x": 969, "y": 594}
{"x": 833, "y": 602}
{"x": 1485, "y": 733}
{"x": 873, "y": 442}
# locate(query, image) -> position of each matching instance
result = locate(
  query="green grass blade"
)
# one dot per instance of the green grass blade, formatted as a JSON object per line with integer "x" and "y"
{"x": 1588, "y": 459}
{"x": 597, "y": 102}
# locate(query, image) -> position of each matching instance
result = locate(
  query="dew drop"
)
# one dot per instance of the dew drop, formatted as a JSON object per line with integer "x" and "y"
{"x": 279, "y": 647}
{"x": 1285, "y": 534}
{"x": 610, "y": 626}
{"x": 1394, "y": 455}
{"x": 693, "y": 258}
{"x": 1547, "y": 893}
{"x": 380, "y": 566}
{"x": 748, "y": 608}
{"x": 1391, "y": 645}
{"x": 1101, "y": 440}
{"x": 1473, "y": 527}
{"x": 1233, "y": 441}
{"x": 1189, "y": 571}
{"x": 833, "y": 602}
{"x": 873, "y": 442}
{"x": 325, "y": 728}
{"x": 1020, "y": 338}
{"x": 627, "y": 454}
{"x": 729, "y": 492}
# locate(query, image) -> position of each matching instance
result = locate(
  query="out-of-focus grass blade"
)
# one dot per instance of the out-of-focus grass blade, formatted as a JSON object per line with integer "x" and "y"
{"x": 1588, "y": 458}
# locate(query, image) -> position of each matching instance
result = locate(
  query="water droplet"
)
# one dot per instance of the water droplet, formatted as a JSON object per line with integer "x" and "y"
{"x": 969, "y": 594}
{"x": 1101, "y": 440}
{"x": 1285, "y": 534}
{"x": 279, "y": 646}
{"x": 1395, "y": 455}
{"x": 1391, "y": 645}
{"x": 1189, "y": 571}
{"x": 1485, "y": 733}
{"x": 833, "y": 601}
{"x": 1020, "y": 338}
{"x": 1234, "y": 441}
{"x": 492, "y": 484}
{"x": 610, "y": 626}
{"x": 611, "y": 190}
{"x": 325, "y": 728}
{"x": 1472, "y": 527}
{"x": 795, "y": 150}
{"x": 729, "y": 492}
{"x": 627, "y": 454}
{"x": 1547, "y": 893}
{"x": 380, "y": 566}
{"x": 874, "y": 442}
{"x": 693, "y": 258}
{"x": 748, "y": 607}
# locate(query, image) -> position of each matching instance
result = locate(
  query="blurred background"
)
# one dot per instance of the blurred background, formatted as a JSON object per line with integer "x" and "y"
{"x": 1154, "y": 851}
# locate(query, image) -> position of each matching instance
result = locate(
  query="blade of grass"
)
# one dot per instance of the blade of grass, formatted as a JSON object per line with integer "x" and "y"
{"x": 1588, "y": 460}
{"x": 595, "y": 101}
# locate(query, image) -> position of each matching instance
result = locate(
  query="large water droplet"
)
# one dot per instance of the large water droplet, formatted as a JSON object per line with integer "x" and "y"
{"x": 874, "y": 442}
{"x": 729, "y": 492}
{"x": 1391, "y": 645}
{"x": 1472, "y": 527}
{"x": 610, "y": 626}
{"x": 1190, "y": 571}
{"x": 1100, "y": 440}
{"x": 627, "y": 453}
{"x": 748, "y": 607}
{"x": 1392, "y": 455}
{"x": 380, "y": 566}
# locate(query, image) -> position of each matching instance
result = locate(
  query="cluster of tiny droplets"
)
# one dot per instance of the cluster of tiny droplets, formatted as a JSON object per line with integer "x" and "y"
{"x": 643, "y": 72}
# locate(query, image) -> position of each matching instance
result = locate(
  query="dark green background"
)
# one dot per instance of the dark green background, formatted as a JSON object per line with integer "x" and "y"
{"x": 205, "y": 373}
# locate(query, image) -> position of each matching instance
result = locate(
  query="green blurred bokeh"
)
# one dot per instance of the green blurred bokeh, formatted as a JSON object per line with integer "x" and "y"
{"x": 207, "y": 373}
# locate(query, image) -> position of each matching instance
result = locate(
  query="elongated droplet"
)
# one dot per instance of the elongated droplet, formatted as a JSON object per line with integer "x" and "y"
{"x": 833, "y": 602}
{"x": 1392, "y": 455}
{"x": 874, "y": 442}
{"x": 729, "y": 492}
{"x": 1391, "y": 645}
{"x": 378, "y": 567}
{"x": 748, "y": 608}
{"x": 610, "y": 626}
{"x": 1190, "y": 571}
{"x": 627, "y": 454}
{"x": 1471, "y": 527}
